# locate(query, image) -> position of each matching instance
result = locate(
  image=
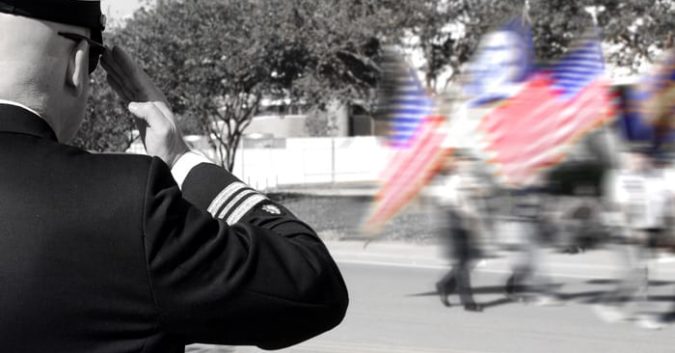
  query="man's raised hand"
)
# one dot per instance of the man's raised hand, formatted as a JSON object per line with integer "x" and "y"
{"x": 154, "y": 119}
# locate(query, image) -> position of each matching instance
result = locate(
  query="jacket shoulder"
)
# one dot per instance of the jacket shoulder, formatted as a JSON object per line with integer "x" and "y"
{"x": 114, "y": 171}
{"x": 115, "y": 163}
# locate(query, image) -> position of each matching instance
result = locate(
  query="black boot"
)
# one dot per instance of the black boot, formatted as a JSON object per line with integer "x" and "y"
{"x": 443, "y": 293}
{"x": 473, "y": 307}
{"x": 513, "y": 289}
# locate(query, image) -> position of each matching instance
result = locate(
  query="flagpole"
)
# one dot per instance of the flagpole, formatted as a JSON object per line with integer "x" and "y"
{"x": 526, "y": 12}
{"x": 594, "y": 11}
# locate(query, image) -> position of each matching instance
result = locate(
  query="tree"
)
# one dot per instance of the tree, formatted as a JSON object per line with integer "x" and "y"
{"x": 216, "y": 60}
{"x": 636, "y": 30}
{"x": 640, "y": 29}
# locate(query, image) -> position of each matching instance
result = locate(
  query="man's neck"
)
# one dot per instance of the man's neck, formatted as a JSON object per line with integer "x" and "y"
{"x": 9, "y": 102}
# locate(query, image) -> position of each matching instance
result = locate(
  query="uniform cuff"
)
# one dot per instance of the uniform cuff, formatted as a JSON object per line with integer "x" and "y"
{"x": 184, "y": 165}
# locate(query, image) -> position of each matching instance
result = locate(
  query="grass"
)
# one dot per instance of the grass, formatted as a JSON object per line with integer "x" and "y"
{"x": 340, "y": 217}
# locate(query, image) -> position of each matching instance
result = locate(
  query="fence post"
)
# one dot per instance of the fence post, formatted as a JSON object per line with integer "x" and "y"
{"x": 332, "y": 161}
{"x": 243, "y": 160}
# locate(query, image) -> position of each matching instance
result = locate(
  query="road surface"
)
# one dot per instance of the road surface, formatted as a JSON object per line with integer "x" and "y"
{"x": 394, "y": 308}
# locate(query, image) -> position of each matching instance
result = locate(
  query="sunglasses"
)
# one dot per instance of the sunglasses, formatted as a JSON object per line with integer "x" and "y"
{"x": 96, "y": 49}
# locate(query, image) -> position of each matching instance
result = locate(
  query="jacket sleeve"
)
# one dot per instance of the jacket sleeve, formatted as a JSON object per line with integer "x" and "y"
{"x": 255, "y": 275}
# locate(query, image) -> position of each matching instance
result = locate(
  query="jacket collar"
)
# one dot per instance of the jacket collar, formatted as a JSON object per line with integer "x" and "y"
{"x": 16, "y": 119}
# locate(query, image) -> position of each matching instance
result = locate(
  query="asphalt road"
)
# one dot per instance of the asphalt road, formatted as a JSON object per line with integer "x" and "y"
{"x": 395, "y": 309}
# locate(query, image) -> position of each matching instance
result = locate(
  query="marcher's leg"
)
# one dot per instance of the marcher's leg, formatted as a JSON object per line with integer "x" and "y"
{"x": 464, "y": 288}
{"x": 631, "y": 286}
{"x": 446, "y": 285}
{"x": 542, "y": 283}
{"x": 522, "y": 266}
{"x": 466, "y": 253}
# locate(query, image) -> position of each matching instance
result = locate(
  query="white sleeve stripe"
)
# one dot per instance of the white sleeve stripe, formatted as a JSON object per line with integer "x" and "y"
{"x": 244, "y": 208}
{"x": 227, "y": 204}
{"x": 230, "y": 204}
{"x": 225, "y": 195}
{"x": 184, "y": 165}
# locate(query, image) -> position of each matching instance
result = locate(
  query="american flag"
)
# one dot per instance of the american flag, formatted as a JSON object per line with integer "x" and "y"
{"x": 533, "y": 130}
{"x": 409, "y": 171}
{"x": 404, "y": 103}
{"x": 578, "y": 69}
{"x": 417, "y": 137}
{"x": 504, "y": 60}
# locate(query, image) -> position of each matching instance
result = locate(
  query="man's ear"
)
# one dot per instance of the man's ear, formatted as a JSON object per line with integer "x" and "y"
{"x": 78, "y": 70}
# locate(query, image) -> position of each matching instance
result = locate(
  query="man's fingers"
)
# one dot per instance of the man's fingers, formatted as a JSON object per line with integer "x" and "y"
{"x": 164, "y": 108}
{"x": 123, "y": 60}
{"x": 149, "y": 112}
{"x": 110, "y": 65}
{"x": 154, "y": 119}
{"x": 130, "y": 70}
{"x": 106, "y": 58}
{"x": 122, "y": 85}
{"x": 125, "y": 74}
{"x": 146, "y": 111}
{"x": 117, "y": 87}
{"x": 134, "y": 77}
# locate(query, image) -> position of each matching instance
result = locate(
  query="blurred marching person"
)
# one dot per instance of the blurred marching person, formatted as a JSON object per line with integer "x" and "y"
{"x": 132, "y": 253}
{"x": 455, "y": 190}
{"x": 638, "y": 196}
{"x": 528, "y": 281}
{"x": 581, "y": 220}
{"x": 487, "y": 199}
{"x": 660, "y": 321}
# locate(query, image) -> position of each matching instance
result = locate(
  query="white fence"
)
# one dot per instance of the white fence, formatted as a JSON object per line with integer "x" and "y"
{"x": 304, "y": 161}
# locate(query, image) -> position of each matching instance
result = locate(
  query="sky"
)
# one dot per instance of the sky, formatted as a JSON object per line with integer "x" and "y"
{"x": 118, "y": 9}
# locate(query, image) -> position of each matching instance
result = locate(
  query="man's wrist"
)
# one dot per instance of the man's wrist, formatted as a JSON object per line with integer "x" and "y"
{"x": 184, "y": 163}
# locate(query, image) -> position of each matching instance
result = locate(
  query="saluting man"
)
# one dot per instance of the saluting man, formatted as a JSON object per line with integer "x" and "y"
{"x": 124, "y": 253}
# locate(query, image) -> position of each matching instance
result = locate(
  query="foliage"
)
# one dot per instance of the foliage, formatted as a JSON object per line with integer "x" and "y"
{"x": 635, "y": 30}
{"x": 217, "y": 59}
{"x": 640, "y": 29}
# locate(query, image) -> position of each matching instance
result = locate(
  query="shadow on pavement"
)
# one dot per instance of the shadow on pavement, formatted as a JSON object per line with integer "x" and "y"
{"x": 605, "y": 281}
{"x": 584, "y": 297}
{"x": 587, "y": 297}
{"x": 662, "y": 298}
{"x": 497, "y": 302}
{"x": 477, "y": 290}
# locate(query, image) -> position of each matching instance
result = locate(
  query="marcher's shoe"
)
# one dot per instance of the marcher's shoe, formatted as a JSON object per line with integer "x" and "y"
{"x": 547, "y": 300}
{"x": 443, "y": 294}
{"x": 517, "y": 297}
{"x": 510, "y": 286}
{"x": 473, "y": 307}
{"x": 651, "y": 322}
{"x": 511, "y": 292}
{"x": 610, "y": 313}
{"x": 573, "y": 249}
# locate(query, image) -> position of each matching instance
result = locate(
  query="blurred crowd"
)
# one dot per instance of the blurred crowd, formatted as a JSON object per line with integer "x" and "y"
{"x": 574, "y": 207}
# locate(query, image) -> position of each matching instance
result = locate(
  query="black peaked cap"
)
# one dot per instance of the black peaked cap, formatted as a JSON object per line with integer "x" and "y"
{"x": 82, "y": 13}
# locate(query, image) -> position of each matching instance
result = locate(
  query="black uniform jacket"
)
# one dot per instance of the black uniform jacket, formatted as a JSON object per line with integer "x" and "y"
{"x": 104, "y": 253}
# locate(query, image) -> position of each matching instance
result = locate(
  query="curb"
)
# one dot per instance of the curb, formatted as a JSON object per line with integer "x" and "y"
{"x": 590, "y": 265}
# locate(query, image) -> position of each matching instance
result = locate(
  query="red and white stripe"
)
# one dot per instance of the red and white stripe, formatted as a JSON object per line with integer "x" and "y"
{"x": 534, "y": 129}
{"x": 409, "y": 171}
